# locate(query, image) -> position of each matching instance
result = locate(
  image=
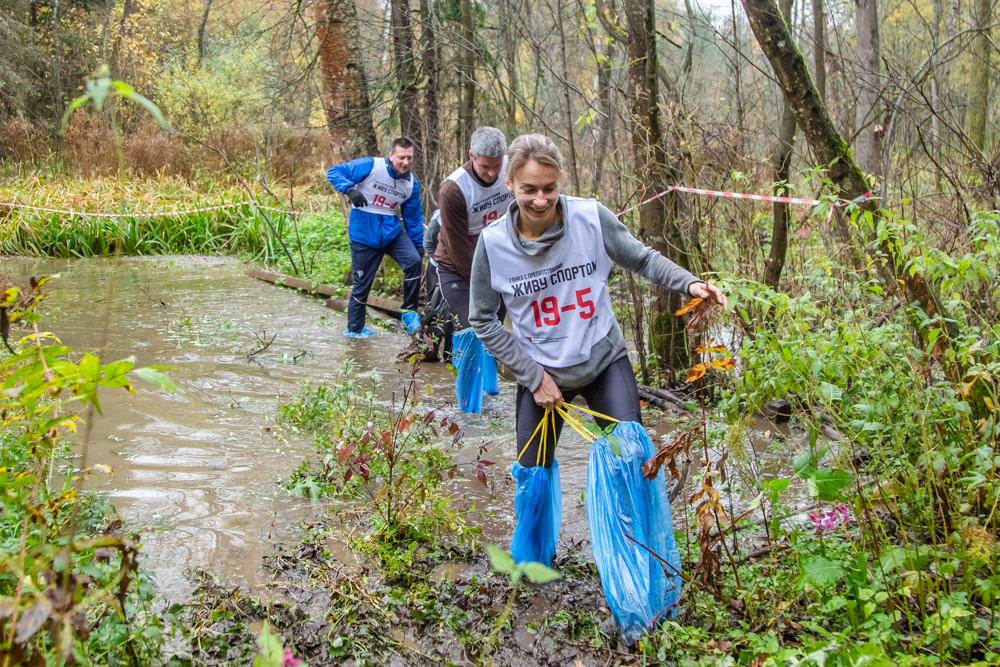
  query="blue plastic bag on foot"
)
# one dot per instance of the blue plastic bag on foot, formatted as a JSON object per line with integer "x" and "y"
{"x": 466, "y": 351}
{"x": 620, "y": 501}
{"x": 364, "y": 333}
{"x": 411, "y": 321}
{"x": 538, "y": 510}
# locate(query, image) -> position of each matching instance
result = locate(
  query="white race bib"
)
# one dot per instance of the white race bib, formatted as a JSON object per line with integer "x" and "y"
{"x": 483, "y": 205}
{"x": 383, "y": 192}
{"x": 558, "y": 301}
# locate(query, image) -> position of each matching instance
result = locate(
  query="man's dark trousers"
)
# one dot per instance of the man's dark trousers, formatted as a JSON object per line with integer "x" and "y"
{"x": 365, "y": 261}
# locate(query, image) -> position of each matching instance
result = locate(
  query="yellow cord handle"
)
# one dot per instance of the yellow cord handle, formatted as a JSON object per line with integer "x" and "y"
{"x": 572, "y": 415}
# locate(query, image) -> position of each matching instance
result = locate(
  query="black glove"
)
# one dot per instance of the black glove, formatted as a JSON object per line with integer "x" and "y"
{"x": 357, "y": 199}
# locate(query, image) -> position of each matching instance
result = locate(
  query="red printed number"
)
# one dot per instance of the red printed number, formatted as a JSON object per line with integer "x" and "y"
{"x": 491, "y": 217}
{"x": 585, "y": 304}
{"x": 379, "y": 200}
{"x": 549, "y": 308}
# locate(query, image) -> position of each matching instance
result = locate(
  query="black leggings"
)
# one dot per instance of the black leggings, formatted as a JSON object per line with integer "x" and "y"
{"x": 614, "y": 393}
{"x": 456, "y": 292}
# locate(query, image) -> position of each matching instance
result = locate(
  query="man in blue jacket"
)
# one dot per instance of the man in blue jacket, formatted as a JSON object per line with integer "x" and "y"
{"x": 377, "y": 187}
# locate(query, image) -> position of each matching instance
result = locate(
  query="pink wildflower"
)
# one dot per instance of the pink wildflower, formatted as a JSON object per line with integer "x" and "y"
{"x": 289, "y": 661}
{"x": 828, "y": 521}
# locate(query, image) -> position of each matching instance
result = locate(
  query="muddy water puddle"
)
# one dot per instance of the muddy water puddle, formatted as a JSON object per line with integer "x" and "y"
{"x": 197, "y": 471}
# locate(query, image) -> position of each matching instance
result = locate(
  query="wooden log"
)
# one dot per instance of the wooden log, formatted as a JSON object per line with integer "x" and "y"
{"x": 663, "y": 394}
{"x": 294, "y": 283}
{"x": 388, "y": 306}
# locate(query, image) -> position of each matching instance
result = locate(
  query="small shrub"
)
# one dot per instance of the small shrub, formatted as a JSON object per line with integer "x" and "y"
{"x": 150, "y": 151}
{"x": 90, "y": 148}
{"x": 296, "y": 155}
{"x": 20, "y": 141}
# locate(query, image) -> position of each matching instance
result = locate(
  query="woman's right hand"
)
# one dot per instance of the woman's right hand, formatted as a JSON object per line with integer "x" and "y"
{"x": 548, "y": 395}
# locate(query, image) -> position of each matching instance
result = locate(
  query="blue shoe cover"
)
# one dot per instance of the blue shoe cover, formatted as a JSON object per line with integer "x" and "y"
{"x": 639, "y": 587}
{"x": 465, "y": 352}
{"x": 538, "y": 510}
{"x": 488, "y": 363}
{"x": 364, "y": 333}
{"x": 411, "y": 321}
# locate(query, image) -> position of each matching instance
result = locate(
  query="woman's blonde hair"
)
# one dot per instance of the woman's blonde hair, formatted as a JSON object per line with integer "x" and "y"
{"x": 529, "y": 147}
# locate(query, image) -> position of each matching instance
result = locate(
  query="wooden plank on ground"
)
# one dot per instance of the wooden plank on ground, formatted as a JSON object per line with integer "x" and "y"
{"x": 388, "y": 306}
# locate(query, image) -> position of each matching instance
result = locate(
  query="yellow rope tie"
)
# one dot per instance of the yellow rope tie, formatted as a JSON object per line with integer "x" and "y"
{"x": 572, "y": 415}
{"x": 541, "y": 447}
{"x": 591, "y": 412}
{"x": 528, "y": 444}
{"x": 571, "y": 419}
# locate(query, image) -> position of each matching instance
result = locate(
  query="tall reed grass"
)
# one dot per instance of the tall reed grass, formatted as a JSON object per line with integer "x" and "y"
{"x": 240, "y": 230}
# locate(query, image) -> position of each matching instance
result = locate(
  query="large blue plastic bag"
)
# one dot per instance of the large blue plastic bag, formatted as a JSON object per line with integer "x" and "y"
{"x": 466, "y": 351}
{"x": 488, "y": 363}
{"x": 538, "y": 509}
{"x": 620, "y": 502}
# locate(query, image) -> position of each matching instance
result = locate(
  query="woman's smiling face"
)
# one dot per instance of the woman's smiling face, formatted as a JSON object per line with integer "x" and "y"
{"x": 536, "y": 189}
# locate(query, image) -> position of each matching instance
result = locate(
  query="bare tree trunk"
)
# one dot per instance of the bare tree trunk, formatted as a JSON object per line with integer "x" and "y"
{"x": 782, "y": 163}
{"x": 819, "y": 47}
{"x": 106, "y": 29}
{"x": 658, "y": 219}
{"x": 607, "y": 113}
{"x": 431, "y": 155}
{"x": 574, "y": 168}
{"x": 201, "y": 30}
{"x": 508, "y": 14}
{"x": 467, "y": 110}
{"x": 868, "y": 146}
{"x": 130, "y": 9}
{"x": 830, "y": 150}
{"x": 406, "y": 78}
{"x": 737, "y": 66}
{"x": 692, "y": 29}
{"x": 979, "y": 80}
{"x": 345, "y": 89}
{"x": 57, "y": 100}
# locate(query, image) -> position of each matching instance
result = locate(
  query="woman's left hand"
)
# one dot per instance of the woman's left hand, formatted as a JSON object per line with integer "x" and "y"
{"x": 709, "y": 293}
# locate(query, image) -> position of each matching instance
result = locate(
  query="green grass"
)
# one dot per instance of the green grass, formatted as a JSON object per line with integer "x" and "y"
{"x": 241, "y": 230}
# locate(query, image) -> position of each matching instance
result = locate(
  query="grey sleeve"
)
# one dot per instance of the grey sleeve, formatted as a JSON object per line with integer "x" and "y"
{"x": 431, "y": 236}
{"x": 629, "y": 253}
{"x": 483, "y": 305}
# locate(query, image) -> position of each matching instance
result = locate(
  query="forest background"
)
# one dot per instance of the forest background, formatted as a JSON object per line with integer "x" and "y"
{"x": 874, "y": 313}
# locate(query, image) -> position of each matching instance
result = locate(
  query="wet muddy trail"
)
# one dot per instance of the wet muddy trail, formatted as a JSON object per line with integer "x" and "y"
{"x": 199, "y": 471}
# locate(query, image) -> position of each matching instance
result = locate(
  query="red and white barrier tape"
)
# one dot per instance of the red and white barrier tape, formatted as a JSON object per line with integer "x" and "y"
{"x": 145, "y": 215}
{"x": 741, "y": 195}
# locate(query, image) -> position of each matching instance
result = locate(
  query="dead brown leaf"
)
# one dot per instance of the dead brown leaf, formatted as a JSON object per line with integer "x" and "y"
{"x": 689, "y": 306}
{"x": 697, "y": 372}
{"x": 726, "y": 364}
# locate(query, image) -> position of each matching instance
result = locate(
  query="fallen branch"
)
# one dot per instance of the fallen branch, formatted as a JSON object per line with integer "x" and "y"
{"x": 662, "y": 394}
{"x": 264, "y": 345}
{"x": 763, "y": 551}
{"x": 678, "y": 485}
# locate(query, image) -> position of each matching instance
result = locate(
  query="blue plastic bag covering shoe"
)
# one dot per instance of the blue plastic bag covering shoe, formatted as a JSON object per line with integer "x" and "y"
{"x": 364, "y": 333}
{"x": 620, "y": 502}
{"x": 538, "y": 509}
{"x": 411, "y": 321}
{"x": 491, "y": 385}
{"x": 466, "y": 350}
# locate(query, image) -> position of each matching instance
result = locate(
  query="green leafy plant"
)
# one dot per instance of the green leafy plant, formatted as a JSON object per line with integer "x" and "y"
{"x": 62, "y": 575}
{"x": 272, "y": 653}
{"x": 502, "y": 562}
